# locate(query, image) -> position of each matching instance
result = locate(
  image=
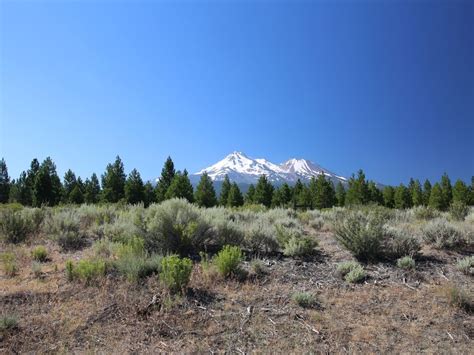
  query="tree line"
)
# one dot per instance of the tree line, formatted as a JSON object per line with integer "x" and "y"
{"x": 40, "y": 185}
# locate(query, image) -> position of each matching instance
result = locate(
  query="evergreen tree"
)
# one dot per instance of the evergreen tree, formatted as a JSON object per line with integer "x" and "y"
{"x": 76, "y": 196}
{"x": 29, "y": 182}
{"x": 447, "y": 191}
{"x": 149, "y": 193}
{"x": 298, "y": 194}
{"x": 92, "y": 189}
{"x": 69, "y": 183}
{"x": 235, "y": 198}
{"x": 4, "y": 182}
{"x": 134, "y": 188}
{"x": 224, "y": 195}
{"x": 263, "y": 191}
{"x": 113, "y": 182}
{"x": 167, "y": 174}
{"x": 322, "y": 192}
{"x": 461, "y": 192}
{"x": 472, "y": 191}
{"x": 358, "y": 191}
{"x": 402, "y": 198}
{"x": 205, "y": 195}
{"x": 47, "y": 185}
{"x": 417, "y": 194}
{"x": 282, "y": 196}
{"x": 340, "y": 194}
{"x": 20, "y": 191}
{"x": 375, "y": 194}
{"x": 389, "y": 196}
{"x": 436, "y": 197}
{"x": 426, "y": 192}
{"x": 250, "y": 195}
{"x": 180, "y": 187}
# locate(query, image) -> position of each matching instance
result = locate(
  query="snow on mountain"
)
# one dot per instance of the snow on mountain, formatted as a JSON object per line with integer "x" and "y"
{"x": 243, "y": 169}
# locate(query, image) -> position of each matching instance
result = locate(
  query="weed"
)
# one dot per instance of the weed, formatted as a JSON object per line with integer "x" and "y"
{"x": 175, "y": 272}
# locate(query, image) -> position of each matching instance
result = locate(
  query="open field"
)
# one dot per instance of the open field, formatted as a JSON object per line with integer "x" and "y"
{"x": 393, "y": 307}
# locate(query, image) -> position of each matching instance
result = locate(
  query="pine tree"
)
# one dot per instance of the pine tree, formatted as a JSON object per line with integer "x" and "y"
{"x": 298, "y": 194}
{"x": 322, "y": 192}
{"x": 263, "y": 191}
{"x": 461, "y": 192}
{"x": 181, "y": 187}
{"x": 447, "y": 191}
{"x": 235, "y": 198}
{"x": 4, "y": 182}
{"x": 113, "y": 182}
{"x": 167, "y": 174}
{"x": 92, "y": 189}
{"x": 358, "y": 191}
{"x": 284, "y": 196}
{"x": 250, "y": 195}
{"x": 436, "y": 197}
{"x": 417, "y": 194}
{"x": 402, "y": 198}
{"x": 205, "y": 195}
{"x": 224, "y": 195}
{"x": 76, "y": 196}
{"x": 149, "y": 193}
{"x": 47, "y": 185}
{"x": 426, "y": 192}
{"x": 389, "y": 196}
{"x": 29, "y": 181}
{"x": 471, "y": 190}
{"x": 340, "y": 194}
{"x": 20, "y": 191}
{"x": 69, "y": 183}
{"x": 134, "y": 188}
{"x": 375, "y": 194}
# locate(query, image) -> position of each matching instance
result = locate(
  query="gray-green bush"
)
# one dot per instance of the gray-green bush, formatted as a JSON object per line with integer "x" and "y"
{"x": 442, "y": 234}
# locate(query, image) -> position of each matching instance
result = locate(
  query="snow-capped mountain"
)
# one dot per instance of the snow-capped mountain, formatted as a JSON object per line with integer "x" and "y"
{"x": 245, "y": 170}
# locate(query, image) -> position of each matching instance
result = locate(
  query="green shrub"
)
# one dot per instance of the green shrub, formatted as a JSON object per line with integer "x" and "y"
{"x": 69, "y": 270}
{"x": 466, "y": 265}
{"x": 36, "y": 268}
{"x": 135, "y": 268}
{"x": 442, "y": 234}
{"x": 406, "y": 263}
{"x": 304, "y": 299}
{"x": 361, "y": 234}
{"x": 257, "y": 266}
{"x": 460, "y": 298}
{"x": 399, "y": 242}
{"x": 65, "y": 227}
{"x": 346, "y": 266}
{"x": 13, "y": 227}
{"x": 9, "y": 264}
{"x": 458, "y": 210}
{"x": 425, "y": 212}
{"x": 228, "y": 260}
{"x": 175, "y": 272}
{"x": 357, "y": 274}
{"x": 300, "y": 246}
{"x": 40, "y": 253}
{"x": 8, "y": 322}
{"x": 87, "y": 271}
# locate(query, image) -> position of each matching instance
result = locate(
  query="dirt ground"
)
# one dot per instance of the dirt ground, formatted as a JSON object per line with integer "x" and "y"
{"x": 393, "y": 311}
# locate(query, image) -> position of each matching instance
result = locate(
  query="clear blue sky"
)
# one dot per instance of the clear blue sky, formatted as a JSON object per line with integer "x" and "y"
{"x": 386, "y": 86}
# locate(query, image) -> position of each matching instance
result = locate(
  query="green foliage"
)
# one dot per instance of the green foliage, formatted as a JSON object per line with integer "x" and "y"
{"x": 416, "y": 194}
{"x": 180, "y": 187}
{"x": 4, "y": 182}
{"x": 87, "y": 271}
{"x": 149, "y": 194}
{"x": 389, "y": 196}
{"x": 446, "y": 190}
{"x": 358, "y": 190}
{"x": 406, "y": 263}
{"x": 167, "y": 175}
{"x": 300, "y": 246}
{"x": 235, "y": 198}
{"x": 442, "y": 234}
{"x": 8, "y": 322}
{"x": 36, "y": 269}
{"x": 113, "y": 182}
{"x": 398, "y": 242}
{"x": 356, "y": 274}
{"x": 65, "y": 229}
{"x": 402, "y": 197}
{"x": 257, "y": 266}
{"x": 134, "y": 188}
{"x": 376, "y": 196}
{"x": 340, "y": 194}
{"x": 14, "y": 228}
{"x": 9, "y": 264}
{"x": 46, "y": 185}
{"x": 461, "y": 192}
{"x": 458, "y": 210}
{"x": 205, "y": 195}
{"x": 228, "y": 260}
{"x": 92, "y": 189}
{"x": 466, "y": 265}
{"x": 304, "y": 299}
{"x": 282, "y": 196}
{"x": 436, "y": 198}
{"x": 322, "y": 192}
{"x": 40, "y": 253}
{"x": 263, "y": 192}
{"x": 69, "y": 270}
{"x": 345, "y": 267}
{"x": 76, "y": 196}
{"x": 250, "y": 195}
{"x": 425, "y": 213}
{"x": 225, "y": 189}
{"x": 426, "y": 192}
{"x": 175, "y": 272}
{"x": 460, "y": 298}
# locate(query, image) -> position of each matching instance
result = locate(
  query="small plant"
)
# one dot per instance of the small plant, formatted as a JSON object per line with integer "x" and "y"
{"x": 69, "y": 270}
{"x": 357, "y": 274}
{"x": 406, "y": 263}
{"x": 9, "y": 264}
{"x": 36, "y": 268}
{"x": 425, "y": 213}
{"x": 70, "y": 240}
{"x": 228, "y": 260}
{"x": 458, "y": 210}
{"x": 87, "y": 271}
{"x": 399, "y": 242}
{"x": 304, "y": 299}
{"x": 460, "y": 298}
{"x": 176, "y": 272}
{"x": 257, "y": 266}
{"x": 466, "y": 265}
{"x": 300, "y": 246}
{"x": 40, "y": 253}
{"x": 13, "y": 227}
{"x": 346, "y": 266}
{"x": 442, "y": 234}
{"x": 8, "y": 322}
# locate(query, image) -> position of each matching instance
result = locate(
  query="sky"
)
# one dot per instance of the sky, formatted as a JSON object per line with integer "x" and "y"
{"x": 385, "y": 86}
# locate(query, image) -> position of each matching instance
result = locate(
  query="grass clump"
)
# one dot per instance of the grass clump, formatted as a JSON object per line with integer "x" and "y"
{"x": 228, "y": 260}
{"x": 36, "y": 269}
{"x": 257, "y": 266}
{"x": 13, "y": 227}
{"x": 300, "y": 246}
{"x": 87, "y": 271}
{"x": 466, "y": 265}
{"x": 406, "y": 263}
{"x": 175, "y": 272}
{"x": 8, "y": 322}
{"x": 9, "y": 264}
{"x": 304, "y": 299}
{"x": 460, "y": 298}
{"x": 351, "y": 271}
{"x": 40, "y": 253}
{"x": 442, "y": 234}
